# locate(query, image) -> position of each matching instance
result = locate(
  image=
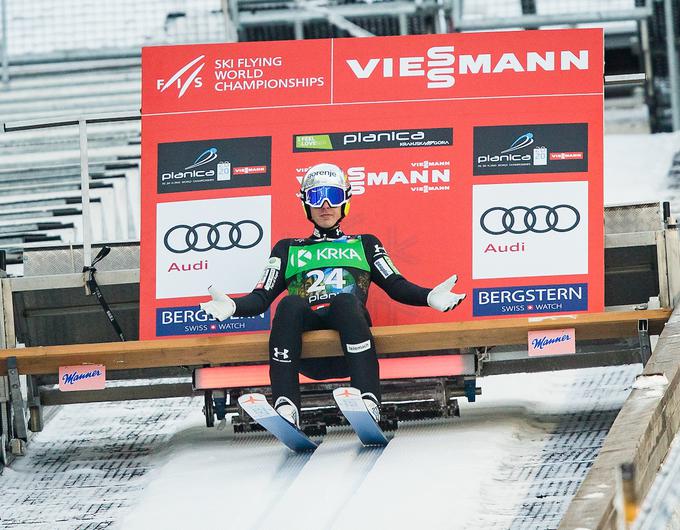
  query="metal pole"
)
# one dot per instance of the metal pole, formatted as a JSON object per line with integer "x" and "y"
{"x": 3, "y": 44}
{"x": 403, "y": 24}
{"x": 230, "y": 34}
{"x": 85, "y": 191}
{"x": 672, "y": 64}
{"x": 440, "y": 18}
{"x": 457, "y": 14}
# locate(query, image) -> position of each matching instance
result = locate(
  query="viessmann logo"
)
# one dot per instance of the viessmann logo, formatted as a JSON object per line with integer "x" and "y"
{"x": 440, "y": 63}
{"x": 422, "y": 176}
{"x": 184, "y": 78}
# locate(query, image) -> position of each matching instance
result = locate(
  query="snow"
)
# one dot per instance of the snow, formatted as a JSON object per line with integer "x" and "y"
{"x": 460, "y": 473}
{"x": 636, "y": 167}
{"x": 650, "y": 381}
{"x": 653, "y": 384}
{"x": 449, "y": 473}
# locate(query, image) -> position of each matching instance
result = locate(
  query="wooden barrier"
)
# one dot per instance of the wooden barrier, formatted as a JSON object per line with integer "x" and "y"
{"x": 641, "y": 434}
{"x": 389, "y": 340}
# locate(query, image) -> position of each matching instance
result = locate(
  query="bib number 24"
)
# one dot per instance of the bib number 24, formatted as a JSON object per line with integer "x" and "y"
{"x": 330, "y": 277}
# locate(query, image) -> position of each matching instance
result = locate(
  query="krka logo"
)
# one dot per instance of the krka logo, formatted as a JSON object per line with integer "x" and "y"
{"x": 327, "y": 254}
{"x": 304, "y": 256}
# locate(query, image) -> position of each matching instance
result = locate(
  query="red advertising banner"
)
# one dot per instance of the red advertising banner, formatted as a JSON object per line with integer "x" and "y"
{"x": 474, "y": 154}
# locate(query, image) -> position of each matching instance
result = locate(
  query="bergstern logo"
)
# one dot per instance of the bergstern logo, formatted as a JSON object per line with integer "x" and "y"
{"x": 438, "y": 64}
{"x": 178, "y": 80}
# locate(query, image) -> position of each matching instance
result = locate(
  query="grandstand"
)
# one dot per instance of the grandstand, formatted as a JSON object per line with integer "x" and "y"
{"x": 81, "y": 61}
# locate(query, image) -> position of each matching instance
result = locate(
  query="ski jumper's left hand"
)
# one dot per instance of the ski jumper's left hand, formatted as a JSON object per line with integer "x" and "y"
{"x": 442, "y": 298}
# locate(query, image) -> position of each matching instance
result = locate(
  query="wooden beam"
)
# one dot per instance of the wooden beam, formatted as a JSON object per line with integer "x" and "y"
{"x": 389, "y": 339}
{"x": 642, "y": 433}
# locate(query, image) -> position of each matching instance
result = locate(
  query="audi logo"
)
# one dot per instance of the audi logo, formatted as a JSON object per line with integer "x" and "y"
{"x": 221, "y": 236}
{"x": 521, "y": 219}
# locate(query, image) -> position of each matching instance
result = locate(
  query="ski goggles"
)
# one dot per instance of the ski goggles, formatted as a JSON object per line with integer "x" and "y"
{"x": 315, "y": 197}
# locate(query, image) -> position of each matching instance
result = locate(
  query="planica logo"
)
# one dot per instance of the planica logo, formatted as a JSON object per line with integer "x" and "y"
{"x": 385, "y": 139}
{"x": 190, "y": 171}
{"x": 386, "y": 136}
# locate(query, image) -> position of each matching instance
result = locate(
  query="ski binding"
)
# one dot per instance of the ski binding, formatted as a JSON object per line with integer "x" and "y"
{"x": 258, "y": 408}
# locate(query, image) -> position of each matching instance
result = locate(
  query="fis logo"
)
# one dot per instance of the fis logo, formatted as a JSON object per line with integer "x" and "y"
{"x": 182, "y": 82}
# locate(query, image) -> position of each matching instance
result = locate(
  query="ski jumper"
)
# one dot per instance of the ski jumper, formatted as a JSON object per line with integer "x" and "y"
{"x": 327, "y": 276}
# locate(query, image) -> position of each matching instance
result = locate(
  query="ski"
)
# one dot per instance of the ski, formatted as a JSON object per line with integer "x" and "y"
{"x": 258, "y": 408}
{"x": 353, "y": 408}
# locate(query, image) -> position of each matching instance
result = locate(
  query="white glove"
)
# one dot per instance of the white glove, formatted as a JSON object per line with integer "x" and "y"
{"x": 221, "y": 306}
{"x": 441, "y": 298}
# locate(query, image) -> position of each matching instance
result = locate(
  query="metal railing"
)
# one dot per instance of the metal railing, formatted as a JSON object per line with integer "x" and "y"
{"x": 497, "y": 14}
{"x": 82, "y": 122}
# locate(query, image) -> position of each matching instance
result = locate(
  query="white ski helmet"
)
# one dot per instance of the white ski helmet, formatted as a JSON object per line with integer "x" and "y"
{"x": 325, "y": 183}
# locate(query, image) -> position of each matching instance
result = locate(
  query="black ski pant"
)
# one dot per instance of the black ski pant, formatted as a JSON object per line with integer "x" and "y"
{"x": 349, "y": 317}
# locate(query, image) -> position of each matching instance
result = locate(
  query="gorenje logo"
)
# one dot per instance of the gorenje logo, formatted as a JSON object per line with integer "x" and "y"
{"x": 214, "y": 164}
{"x": 386, "y": 139}
{"x": 530, "y": 299}
{"x": 512, "y": 149}
{"x": 439, "y": 64}
{"x": 178, "y": 80}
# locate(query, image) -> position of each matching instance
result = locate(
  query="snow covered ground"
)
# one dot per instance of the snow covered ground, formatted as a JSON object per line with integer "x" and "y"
{"x": 513, "y": 460}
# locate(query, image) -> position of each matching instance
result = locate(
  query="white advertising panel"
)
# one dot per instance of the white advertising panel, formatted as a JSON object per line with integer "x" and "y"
{"x": 222, "y": 241}
{"x": 529, "y": 229}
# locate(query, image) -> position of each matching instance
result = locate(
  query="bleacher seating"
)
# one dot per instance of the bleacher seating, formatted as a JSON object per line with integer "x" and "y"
{"x": 40, "y": 176}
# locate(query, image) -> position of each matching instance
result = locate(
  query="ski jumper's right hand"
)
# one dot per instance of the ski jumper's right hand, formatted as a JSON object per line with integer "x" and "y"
{"x": 221, "y": 306}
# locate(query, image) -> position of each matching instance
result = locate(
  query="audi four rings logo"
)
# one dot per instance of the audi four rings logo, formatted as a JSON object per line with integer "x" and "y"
{"x": 221, "y": 236}
{"x": 521, "y": 219}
